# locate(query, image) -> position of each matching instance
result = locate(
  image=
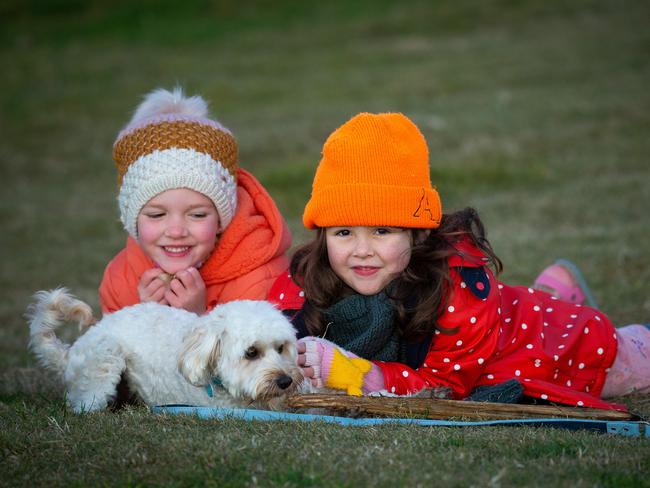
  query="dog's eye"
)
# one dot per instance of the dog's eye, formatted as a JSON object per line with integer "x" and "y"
{"x": 251, "y": 353}
{"x": 280, "y": 348}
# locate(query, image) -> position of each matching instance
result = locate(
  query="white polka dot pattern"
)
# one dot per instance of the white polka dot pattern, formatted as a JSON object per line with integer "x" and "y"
{"x": 558, "y": 351}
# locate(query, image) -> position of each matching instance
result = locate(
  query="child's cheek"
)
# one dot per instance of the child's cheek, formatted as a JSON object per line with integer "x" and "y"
{"x": 208, "y": 241}
{"x": 404, "y": 259}
{"x": 148, "y": 232}
{"x": 206, "y": 234}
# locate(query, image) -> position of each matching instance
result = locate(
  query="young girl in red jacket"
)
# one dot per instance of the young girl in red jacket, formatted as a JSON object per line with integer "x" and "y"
{"x": 390, "y": 279}
{"x": 201, "y": 230}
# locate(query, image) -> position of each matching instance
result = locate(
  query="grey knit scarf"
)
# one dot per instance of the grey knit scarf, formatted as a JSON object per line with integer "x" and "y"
{"x": 365, "y": 325}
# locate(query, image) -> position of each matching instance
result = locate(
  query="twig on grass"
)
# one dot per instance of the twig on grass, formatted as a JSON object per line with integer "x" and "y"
{"x": 446, "y": 409}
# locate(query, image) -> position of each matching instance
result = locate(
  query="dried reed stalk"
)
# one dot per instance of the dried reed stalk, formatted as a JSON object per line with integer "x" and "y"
{"x": 445, "y": 409}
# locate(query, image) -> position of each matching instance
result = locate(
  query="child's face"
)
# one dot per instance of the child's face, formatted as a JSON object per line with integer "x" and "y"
{"x": 178, "y": 229}
{"x": 368, "y": 258}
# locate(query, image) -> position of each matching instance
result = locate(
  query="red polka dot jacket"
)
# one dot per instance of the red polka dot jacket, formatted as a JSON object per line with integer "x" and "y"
{"x": 558, "y": 351}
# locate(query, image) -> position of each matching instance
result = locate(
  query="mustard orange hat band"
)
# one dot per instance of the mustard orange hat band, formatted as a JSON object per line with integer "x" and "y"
{"x": 374, "y": 172}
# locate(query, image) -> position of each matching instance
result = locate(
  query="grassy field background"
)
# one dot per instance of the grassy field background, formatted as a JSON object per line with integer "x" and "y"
{"x": 536, "y": 112}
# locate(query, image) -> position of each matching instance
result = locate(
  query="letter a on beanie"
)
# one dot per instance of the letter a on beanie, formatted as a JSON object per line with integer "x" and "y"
{"x": 374, "y": 172}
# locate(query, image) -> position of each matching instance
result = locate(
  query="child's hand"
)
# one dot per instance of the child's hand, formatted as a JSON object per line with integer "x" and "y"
{"x": 325, "y": 364}
{"x": 310, "y": 355}
{"x": 151, "y": 288}
{"x": 187, "y": 291}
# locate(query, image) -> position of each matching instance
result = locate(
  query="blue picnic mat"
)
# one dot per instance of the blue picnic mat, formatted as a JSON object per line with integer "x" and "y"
{"x": 628, "y": 428}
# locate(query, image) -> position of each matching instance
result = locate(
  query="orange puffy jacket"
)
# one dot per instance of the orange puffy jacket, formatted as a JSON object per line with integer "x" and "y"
{"x": 248, "y": 258}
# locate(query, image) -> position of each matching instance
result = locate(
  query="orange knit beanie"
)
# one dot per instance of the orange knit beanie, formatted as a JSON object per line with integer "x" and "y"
{"x": 374, "y": 172}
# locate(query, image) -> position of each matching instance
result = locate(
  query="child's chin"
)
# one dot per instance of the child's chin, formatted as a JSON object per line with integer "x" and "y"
{"x": 173, "y": 268}
{"x": 172, "y": 265}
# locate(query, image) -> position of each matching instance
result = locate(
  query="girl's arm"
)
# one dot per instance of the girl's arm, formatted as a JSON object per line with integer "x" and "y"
{"x": 454, "y": 359}
{"x": 327, "y": 365}
{"x": 457, "y": 357}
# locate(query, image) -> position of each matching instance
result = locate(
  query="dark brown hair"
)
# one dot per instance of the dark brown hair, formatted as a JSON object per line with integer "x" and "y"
{"x": 419, "y": 293}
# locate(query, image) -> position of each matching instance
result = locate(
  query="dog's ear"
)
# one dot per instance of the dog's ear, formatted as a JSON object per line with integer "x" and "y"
{"x": 198, "y": 358}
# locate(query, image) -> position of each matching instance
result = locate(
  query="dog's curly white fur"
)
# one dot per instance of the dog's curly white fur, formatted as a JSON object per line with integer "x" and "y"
{"x": 168, "y": 355}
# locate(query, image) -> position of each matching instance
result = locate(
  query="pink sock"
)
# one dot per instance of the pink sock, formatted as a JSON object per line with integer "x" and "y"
{"x": 631, "y": 369}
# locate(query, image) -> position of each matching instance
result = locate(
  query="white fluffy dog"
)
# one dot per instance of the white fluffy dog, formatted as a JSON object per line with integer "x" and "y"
{"x": 241, "y": 353}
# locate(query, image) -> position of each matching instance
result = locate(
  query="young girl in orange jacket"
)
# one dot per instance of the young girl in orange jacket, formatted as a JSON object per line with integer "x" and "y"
{"x": 390, "y": 279}
{"x": 202, "y": 231}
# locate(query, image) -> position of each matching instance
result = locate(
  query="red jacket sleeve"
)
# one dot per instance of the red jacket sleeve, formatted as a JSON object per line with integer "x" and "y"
{"x": 285, "y": 294}
{"x": 456, "y": 358}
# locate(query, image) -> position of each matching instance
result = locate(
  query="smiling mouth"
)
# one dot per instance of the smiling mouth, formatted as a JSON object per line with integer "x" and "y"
{"x": 365, "y": 270}
{"x": 176, "y": 251}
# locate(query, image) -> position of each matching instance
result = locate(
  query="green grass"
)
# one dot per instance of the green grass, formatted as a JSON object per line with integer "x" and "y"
{"x": 134, "y": 447}
{"x": 536, "y": 113}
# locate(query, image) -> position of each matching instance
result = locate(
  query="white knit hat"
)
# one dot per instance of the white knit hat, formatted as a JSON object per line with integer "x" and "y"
{"x": 171, "y": 143}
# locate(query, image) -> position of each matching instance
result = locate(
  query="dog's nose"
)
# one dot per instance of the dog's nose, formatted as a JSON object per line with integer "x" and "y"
{"x": 284, "y": 381}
